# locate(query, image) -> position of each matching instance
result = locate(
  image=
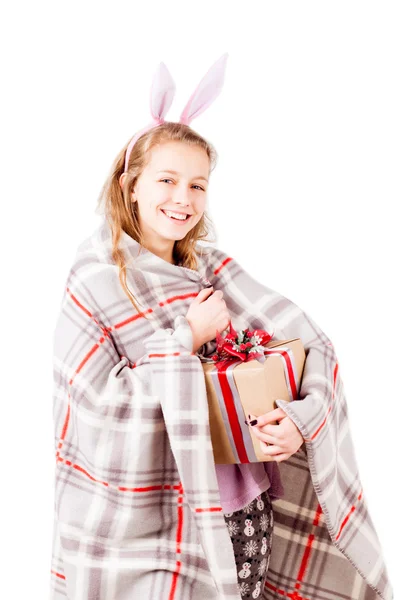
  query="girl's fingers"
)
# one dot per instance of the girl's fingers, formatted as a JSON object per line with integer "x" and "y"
{"x": 264, "y": 448}
{"x": 281, "y": 457}
{"x": 270, "y": 450}
{"x": 270, "y": 417}
{"x": 274, "y": 452}
{"x": 268, "y": 428}
{"x": 265, "y": 437}
{"x": 203, "y": 294}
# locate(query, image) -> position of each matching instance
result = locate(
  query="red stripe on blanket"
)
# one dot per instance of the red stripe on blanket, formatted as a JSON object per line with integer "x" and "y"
{"x": 212, "y": 509}
{"x": 161, "y": 355}
{"x": 335, "y": 375}
{"x": 307, "y": 550}
{"x": 303, "y": 565}
{"x": 292, "y": 595}
{"x": 81, "y": 469}
{"x": 150, "y": 310}
{"x": 180, "y": 521}
{"x": 91, "y": 352}
{"x": 84, "y": 361}
{"x": 322, "y": 425}
{"x": 64, "y": 430}
{"x": 65, "y": 426}
{"x": 131, "y": 319}
{"x": 179, "y": 297}
{"x": 75, "y": 299}
{"x": 140, "y": 315}
{"x": 58, "y": 574}
{"x": 225, "y": 262}
{"x": 106, "y": 330}
{"x": 87, "y": 312}
{"x": 178, "y": 543}
{"x": 346, "y": 519}
{"x": 149, "y": 488}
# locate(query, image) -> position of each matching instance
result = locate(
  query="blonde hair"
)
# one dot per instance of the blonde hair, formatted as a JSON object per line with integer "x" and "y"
{"x": 121, "y": 213}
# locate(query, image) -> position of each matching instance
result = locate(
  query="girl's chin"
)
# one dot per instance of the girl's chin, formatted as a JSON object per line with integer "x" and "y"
{"x": 173, "y": 236}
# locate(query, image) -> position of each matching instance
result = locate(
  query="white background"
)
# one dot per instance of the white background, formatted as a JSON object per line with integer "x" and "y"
{"x": 305, "y": 197}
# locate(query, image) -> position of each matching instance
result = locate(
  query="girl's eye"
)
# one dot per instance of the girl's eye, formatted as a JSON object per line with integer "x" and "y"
{"x": 198, "y": 186}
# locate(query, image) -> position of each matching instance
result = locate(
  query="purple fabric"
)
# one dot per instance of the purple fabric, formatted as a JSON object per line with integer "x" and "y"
{"x": 239, "y": 484}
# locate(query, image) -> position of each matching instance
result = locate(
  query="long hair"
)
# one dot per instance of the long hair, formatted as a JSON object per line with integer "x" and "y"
{"x": 122, "y": 214}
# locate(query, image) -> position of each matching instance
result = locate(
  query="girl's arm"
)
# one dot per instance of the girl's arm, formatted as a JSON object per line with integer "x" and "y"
{"x": 108, "y": 433}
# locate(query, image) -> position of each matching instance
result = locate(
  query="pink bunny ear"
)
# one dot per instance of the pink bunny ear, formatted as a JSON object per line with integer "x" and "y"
{"x": 162, "y": 93}
{"x": 206, "y": 92}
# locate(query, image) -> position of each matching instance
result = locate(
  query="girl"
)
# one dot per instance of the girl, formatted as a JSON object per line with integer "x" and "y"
{"x": 168, "y": 206}
{"x": 141, "y": 511}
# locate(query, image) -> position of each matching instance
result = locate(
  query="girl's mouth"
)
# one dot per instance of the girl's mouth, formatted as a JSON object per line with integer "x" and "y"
{"x": 176, "y": 220}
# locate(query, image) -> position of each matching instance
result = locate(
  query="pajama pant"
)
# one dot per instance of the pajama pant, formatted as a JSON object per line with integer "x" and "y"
{"x": 251, "y": 533}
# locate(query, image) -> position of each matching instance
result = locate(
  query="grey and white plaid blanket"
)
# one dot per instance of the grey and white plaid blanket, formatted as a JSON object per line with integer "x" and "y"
{"x": 137, "y": 505}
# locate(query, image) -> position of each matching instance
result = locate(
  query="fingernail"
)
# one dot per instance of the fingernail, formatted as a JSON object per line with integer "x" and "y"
{"x": 253, "y": 422}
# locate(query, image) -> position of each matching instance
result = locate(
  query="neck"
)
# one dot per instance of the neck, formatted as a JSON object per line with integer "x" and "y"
{"x": 161, "y": 249}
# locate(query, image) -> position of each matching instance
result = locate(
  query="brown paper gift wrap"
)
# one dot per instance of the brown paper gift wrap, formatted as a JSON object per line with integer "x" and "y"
{"x": 252, "y": 389}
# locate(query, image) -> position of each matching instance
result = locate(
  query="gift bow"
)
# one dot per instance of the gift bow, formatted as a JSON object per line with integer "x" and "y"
{"x": 246, "y": 345}
{"x": 231, "y": 350}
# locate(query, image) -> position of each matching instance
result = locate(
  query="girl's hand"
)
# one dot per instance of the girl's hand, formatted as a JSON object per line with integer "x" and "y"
{"x": 207, "y": 314}
{"x": 278, "y": 441}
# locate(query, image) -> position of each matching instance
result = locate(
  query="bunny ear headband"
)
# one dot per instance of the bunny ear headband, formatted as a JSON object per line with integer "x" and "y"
{"x": 163, "y": 91}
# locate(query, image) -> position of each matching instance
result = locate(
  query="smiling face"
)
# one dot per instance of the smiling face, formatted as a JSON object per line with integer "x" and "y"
{"x": 161, "y": 194}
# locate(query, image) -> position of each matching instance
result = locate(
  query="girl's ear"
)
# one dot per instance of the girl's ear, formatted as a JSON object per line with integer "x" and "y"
{"x": 121, "y": 180}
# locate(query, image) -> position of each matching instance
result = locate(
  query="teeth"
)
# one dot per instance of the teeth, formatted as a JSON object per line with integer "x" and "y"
{"x": 175, "y": 215}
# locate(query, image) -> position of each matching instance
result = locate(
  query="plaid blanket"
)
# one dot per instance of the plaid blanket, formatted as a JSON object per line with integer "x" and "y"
{"x": 137, "y": 510}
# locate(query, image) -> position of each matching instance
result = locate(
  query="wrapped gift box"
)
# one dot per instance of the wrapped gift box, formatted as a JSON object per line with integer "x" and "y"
{"x": 249, "y": 387}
